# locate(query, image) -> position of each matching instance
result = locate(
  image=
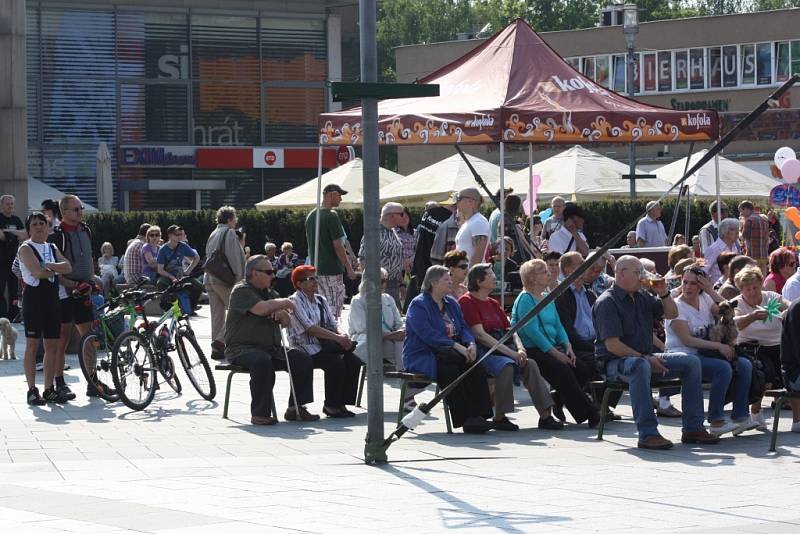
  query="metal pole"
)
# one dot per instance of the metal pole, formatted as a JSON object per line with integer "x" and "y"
{"x": 719, "y": 195}
{"x": 374, "y": 452}
{"x": 319, "y": 207}
{"x": 502, "y": 232}
{"x": 530, "y": 185}
{"x": 632, "y": 145}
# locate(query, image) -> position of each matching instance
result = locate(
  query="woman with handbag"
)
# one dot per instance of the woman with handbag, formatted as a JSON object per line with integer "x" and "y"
{"x": 440, "y": 345}
{"x": 759, "y": 318}
{"x": 509, "y": 364}
{"x": 547, "y": 344}
{"x": 315, "y": 331}
{"x": 698, "y": 307}
{"x": 222, "y": 247}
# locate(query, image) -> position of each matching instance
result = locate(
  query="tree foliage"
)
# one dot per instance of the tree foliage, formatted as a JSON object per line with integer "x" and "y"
{"x": 405, "y": 22}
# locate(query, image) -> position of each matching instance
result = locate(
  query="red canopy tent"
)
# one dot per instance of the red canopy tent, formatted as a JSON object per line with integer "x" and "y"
{"x": 515, "y": 88}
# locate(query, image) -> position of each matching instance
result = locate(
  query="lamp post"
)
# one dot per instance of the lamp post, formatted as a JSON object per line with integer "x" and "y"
{"x": 630, "y": 27}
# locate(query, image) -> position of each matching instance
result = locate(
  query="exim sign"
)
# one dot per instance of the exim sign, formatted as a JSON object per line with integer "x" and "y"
{"x": 158, "y": 156}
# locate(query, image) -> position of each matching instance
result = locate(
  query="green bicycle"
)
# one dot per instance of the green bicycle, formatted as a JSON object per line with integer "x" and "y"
{"x": 139, "y": 355}
{"x": 116, "y": 316}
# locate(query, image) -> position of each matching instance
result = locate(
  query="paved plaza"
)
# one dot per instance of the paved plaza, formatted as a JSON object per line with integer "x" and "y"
{"x": 179, "y": 467}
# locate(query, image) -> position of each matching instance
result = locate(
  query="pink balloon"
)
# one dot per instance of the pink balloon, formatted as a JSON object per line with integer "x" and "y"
{"x": 790, "y": 170}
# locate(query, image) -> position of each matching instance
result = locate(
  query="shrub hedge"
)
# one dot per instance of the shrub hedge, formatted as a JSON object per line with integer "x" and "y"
{"x": 603, "y": 219}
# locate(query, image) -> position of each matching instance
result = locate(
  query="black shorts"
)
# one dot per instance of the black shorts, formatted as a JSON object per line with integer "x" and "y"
{"x": 41, "y": 314}
{"x": 76, "y": 310}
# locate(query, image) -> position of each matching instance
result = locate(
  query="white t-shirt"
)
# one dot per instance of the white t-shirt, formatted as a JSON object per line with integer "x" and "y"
{"x": 46, "y": 253}
{"x": 560, "y": 240}
{"x": 699, "y": 321}
{"x": 767, "y": 333}
{"x": 791, "y": 289}
{"x": 477, "y": 225}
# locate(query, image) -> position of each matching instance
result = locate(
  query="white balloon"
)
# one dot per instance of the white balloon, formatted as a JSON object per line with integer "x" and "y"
{"x": 782, "y": 154}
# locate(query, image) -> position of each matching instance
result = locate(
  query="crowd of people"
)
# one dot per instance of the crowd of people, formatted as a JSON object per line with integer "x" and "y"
{"x": 721, "y": 312}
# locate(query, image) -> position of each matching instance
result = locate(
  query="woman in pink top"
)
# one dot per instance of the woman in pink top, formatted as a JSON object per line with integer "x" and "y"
{"x": 782, "y": 265}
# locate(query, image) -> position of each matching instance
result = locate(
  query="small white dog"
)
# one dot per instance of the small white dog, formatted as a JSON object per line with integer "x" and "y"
{"x": 9, "y": 339}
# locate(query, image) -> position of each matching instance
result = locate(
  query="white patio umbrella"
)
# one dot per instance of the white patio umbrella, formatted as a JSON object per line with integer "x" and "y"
{"x": 39, "y": 191}
{"x": 437, "y": 181}
{"x": 348, "y": 177}
{"x": 105, "y": 187}
{"x": 580, "y": 174}
{"x": 735, "y": 180}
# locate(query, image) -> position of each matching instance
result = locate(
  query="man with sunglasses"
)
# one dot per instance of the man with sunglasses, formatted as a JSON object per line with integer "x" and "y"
{"x": 390, "y": 248}
{"x": 74, "y": 239}
{"x": 253, "y": 340}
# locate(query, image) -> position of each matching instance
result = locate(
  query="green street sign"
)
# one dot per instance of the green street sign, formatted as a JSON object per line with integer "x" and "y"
{"x": 342, "y": 91}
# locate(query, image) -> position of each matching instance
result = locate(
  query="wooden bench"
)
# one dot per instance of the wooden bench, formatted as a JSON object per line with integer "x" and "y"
{"x": 409, "y": 378}
{"x": 232, "y": 370}
{"x": 781, "y": 397}
{"x": 616, "y": 385}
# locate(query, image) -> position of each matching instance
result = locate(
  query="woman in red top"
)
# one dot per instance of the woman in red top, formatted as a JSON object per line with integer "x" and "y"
{"x": 782, "y": 265}
{"x": 509, "y": 364}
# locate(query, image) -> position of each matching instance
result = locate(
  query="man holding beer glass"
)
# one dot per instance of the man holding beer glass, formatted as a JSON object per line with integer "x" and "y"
{"x": 623, "y": 318}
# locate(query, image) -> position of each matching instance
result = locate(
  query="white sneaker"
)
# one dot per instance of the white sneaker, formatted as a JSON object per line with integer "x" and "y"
{"x": 727, "y": 426}
{"x": 758, "y": 419}
{"x": 39, "y": 366}
{"x": 744, "y": 425}
{"x": 796, "y": 427}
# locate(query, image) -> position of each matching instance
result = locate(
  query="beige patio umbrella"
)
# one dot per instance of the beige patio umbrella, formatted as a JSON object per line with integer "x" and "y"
{"x": 105, "y": 187}
{"x": 437, "y": 181}
{"x": 348, "y": 177}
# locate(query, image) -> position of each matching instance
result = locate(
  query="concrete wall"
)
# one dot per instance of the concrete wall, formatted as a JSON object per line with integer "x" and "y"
{"x": 13, "y": 130}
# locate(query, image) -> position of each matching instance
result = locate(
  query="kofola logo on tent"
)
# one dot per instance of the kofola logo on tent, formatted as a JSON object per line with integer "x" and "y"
{"x": 696, "y": 120}
{"x": 572, "y": 84}
{"x": 484, "y": 121}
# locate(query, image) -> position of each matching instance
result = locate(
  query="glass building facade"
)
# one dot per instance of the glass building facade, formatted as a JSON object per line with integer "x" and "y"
{"x": 170, "y": 77}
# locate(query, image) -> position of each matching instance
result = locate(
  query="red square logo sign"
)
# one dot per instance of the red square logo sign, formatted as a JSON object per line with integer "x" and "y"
{"x": 268, "y": 158}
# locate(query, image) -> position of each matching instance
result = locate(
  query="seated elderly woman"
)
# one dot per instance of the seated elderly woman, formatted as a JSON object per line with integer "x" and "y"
{"x": 790, "y": 358}
{"x": 782, "y": 265}
{"x": 759, "y": 318}
{"x": 391, "y": 325}
{"x": 728, "y": 289}
{"x": 457, "y": 264}
{"x": 546, "y": 343}
{"x": 509, "y": 364}
{"x": 698, "y": 306}
{"x": 440, "y": 345}
{"x": 314, "y": 330}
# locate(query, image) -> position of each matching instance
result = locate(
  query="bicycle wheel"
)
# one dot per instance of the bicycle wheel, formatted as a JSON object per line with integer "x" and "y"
{"x": 166, "y": 366}
{"x": 95, "y": 359}
{"x": 134, "y": 370}
{"x": 195, "y": 364}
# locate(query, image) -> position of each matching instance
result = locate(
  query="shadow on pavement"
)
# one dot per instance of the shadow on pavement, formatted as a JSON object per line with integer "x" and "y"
{"x": 456, "y": 513}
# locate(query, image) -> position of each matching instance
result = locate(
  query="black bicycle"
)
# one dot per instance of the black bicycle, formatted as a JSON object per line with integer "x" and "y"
{"x": 140, "y": 355}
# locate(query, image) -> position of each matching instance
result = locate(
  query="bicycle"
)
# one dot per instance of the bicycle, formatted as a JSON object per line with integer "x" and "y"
{"x": 139, "y": 355}
{"x": 116, "y": 316}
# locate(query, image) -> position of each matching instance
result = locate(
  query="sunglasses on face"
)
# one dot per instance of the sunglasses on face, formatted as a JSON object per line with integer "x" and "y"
{"x": 78, "y": 208}
{"x": 463, "y": 266}
{"x": 269, "y": 272}
{"x": 309, "y": 279}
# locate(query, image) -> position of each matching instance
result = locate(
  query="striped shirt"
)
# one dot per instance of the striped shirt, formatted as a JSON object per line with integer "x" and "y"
{"x": 306, "y": 315}
{"x": 132, "y": 264}
{"x": 390, "y": 249}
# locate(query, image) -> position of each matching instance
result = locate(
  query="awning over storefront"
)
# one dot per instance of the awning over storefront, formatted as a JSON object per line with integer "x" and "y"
{"x": 515, "y": 88}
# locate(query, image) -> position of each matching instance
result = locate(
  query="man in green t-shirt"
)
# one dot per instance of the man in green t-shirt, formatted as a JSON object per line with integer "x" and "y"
{"x": 253, "y": 341}
{"x": 333, "y": 260}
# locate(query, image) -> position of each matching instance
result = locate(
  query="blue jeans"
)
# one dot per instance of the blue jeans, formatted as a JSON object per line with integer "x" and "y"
{"x": 637, "y": 372}
{"x": 720, "y": 373}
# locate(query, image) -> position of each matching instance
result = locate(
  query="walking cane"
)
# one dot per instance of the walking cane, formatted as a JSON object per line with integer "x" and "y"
{"x": 289, "y": 370}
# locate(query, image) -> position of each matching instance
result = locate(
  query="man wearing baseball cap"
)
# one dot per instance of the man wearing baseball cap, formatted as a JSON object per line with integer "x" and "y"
{"x": 650, "y": 230}
{"x": 332, "y": 261}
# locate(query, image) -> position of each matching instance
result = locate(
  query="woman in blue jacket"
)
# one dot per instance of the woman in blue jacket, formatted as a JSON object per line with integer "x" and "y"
{"x": 546, "y": 343}
{"x": 439, "y": 344}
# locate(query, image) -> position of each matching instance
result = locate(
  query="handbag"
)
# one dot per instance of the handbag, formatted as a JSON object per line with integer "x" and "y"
{"x": 758, "y": 381}
{"x": 217, "y": 264}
